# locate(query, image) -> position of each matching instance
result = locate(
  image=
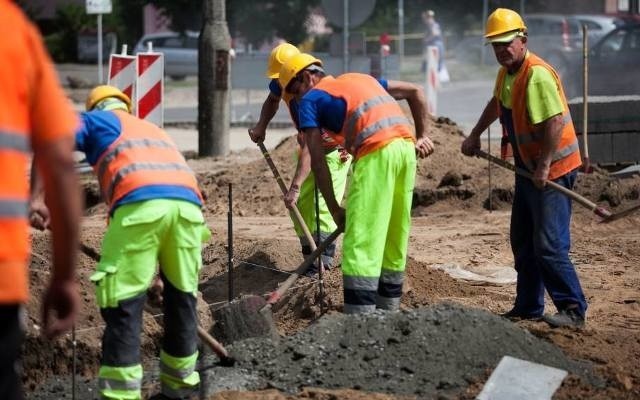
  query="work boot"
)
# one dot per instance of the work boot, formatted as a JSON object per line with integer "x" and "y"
{"x": 568, "y": 317}
{"x": 516, "y": 315}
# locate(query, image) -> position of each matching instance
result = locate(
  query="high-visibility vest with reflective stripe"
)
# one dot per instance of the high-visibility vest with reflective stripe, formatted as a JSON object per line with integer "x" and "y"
{"x": 529, "y": 141}
{"x": 373, "y": 118}
{"x": 143, "y": 155}
{"x": 14, "y": 227}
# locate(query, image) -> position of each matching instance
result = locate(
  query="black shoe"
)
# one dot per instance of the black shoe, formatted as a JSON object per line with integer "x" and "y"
{"x": 569, "y": 317}
{"x": 516, "y": 315}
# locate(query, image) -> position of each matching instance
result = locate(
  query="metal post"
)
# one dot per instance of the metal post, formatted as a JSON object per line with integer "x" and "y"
{"x": 318, "y": 240}
{"x": 100, "y": 48}
{"x": 400, "y": 33}
{"x": 230, "y": 244}
{"x": 213, "y": 80}
{"x": 345, "y": 36}
{"x": 522, "y": 8}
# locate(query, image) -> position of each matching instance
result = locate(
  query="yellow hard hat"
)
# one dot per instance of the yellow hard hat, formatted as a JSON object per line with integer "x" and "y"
{"x": 293, "y": 66}
{"x": 103, "y": 92}
{"x": 278, "y": 56}
{"x": 503, "y": 25}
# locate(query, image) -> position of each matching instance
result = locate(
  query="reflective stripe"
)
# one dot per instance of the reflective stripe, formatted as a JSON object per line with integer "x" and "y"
{"x": 14, "y": 208}
{"x": 565, "y": 151}
{"x": 176, "y": 373}
{"x": 364, "y": 107}
{"x": 358, "y": 309}
{"x": 361, "y": 282}
{"x": 388, "y": 303}
{"x": 530, "y": 137}
{"x": 141, "y": 167}
{"x": 377, "y": 126}
{"x": 114, "y": 384}
{"x": 129, "y": 144}
{"x": 392, "y": 277}
{"x": 14, "y": 141}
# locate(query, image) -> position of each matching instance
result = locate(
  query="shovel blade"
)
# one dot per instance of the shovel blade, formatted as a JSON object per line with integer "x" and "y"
{"x": 242, "y": 319}
{"x": 621, "y": 214}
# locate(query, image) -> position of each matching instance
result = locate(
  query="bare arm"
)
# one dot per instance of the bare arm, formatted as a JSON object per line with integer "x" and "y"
{"x": 302, "y": 171}
{"x": 552, "y": 133}
{"x": 322, "y": 173}
{"x": 489, "y": 114}
{"x": 414, "y": 96}
{"x": 268, "y": 111}
{"x": 54, "y": 161}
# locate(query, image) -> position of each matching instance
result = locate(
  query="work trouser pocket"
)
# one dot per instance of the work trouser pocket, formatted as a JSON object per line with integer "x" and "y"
{"x": 192, "y": 228}
{"x": 129, "y": 255}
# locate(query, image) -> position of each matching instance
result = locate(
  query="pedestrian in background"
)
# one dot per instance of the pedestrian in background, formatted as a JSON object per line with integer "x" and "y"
{"x": 529, "y": 100}
{"x": 362, "y": 112}
{"x": 433, "y": 37}
{"x": 34, "y": 115}
{"x": 154, "y": 218}
{"x": 302, "y": 189}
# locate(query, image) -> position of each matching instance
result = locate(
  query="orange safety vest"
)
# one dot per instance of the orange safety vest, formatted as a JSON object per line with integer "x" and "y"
{"x": 529, "y": 141}
{"x": 143, "y": 155}
{"x": 374, "y": 117}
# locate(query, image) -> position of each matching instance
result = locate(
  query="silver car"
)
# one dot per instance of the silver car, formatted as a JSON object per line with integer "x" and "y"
{"x": 180, "y": 52}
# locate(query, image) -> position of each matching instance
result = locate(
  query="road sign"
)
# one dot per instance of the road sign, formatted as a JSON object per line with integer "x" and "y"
{"x": 98, "y": 6}
{"x": 150, "y": 87}
{"x": 122, "y": 74}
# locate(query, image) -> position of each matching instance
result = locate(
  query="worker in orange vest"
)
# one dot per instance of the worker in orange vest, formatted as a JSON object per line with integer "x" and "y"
{"x": 530, "y": 102}
{"x": 155, "y": 218}
{"x": 34, "y": 115}
{"x": 362, "y": 113}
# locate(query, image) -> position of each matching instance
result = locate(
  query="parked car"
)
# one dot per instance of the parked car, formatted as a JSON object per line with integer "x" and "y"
{"x": 180, "y": 52}
{"x": 613, "y": 65}
{"x": 598, "y": 25}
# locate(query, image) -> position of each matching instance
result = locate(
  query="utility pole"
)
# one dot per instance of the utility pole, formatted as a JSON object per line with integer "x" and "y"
{"x": 213, "y": 80}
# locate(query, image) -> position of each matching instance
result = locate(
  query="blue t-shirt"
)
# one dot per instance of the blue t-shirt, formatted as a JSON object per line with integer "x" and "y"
{"x": 319, "y": 109}
{"x": 98, "y": 130}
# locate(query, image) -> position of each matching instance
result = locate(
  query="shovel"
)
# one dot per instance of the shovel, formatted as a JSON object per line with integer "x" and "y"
{"x": 225, "y": 359}
{"x": 295, "y": 213}
{"x": 602, "y": 212}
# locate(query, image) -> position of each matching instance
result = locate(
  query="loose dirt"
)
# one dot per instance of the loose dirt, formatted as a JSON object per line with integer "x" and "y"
{"x": 443, "y": 345}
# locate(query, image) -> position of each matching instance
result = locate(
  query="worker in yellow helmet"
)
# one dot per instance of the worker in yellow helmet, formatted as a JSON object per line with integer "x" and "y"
{"x": 302, "y": 189}
{"x": 363, "y": 114}
{"x": 155, "y": 218}
{"x": 529, "y": 101}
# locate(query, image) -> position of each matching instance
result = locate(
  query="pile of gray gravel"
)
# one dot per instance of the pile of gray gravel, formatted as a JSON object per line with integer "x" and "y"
{"x": 421, "y": 352}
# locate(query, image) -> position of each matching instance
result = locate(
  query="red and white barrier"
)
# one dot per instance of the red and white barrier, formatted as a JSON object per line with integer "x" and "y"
{"x": 432, "y": 82}
{"x": 122, "y": 73}
{"x": 150, "y": 86}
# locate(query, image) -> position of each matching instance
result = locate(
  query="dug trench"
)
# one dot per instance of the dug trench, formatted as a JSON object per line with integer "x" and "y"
{"x": 445, "y": 342}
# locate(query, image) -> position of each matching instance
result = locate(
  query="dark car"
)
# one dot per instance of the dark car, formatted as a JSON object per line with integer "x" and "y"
{"x": 612, "y": 64}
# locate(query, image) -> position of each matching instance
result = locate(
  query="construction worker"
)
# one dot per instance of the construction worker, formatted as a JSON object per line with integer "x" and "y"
{"x": 154, "y": 218}
{"x": 302, "y": 189}
{"x": 361, "y": 112}
{"x": 529, "y": 100}
{"x": 36, "y": 115}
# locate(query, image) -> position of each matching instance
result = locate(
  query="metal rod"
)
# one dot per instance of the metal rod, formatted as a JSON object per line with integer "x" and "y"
{"x": 100, "y": 48}
{"x": 230, "y": 244}
{"x": 320, "y": 263}
{"x": 74, "y": 345}
{"x": 585, "y": 95}
{"x": 489, "y": 167}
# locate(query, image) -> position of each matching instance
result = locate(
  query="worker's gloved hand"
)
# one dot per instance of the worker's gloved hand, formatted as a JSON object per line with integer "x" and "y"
{"x": 424, "y": 147}
{"x": 470, "y": 145}
{"x": 154, "y": 293}
{"x": 39, "y": 216}
{"x": 291, "y": 197}
{"x": 257, "y": 134}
